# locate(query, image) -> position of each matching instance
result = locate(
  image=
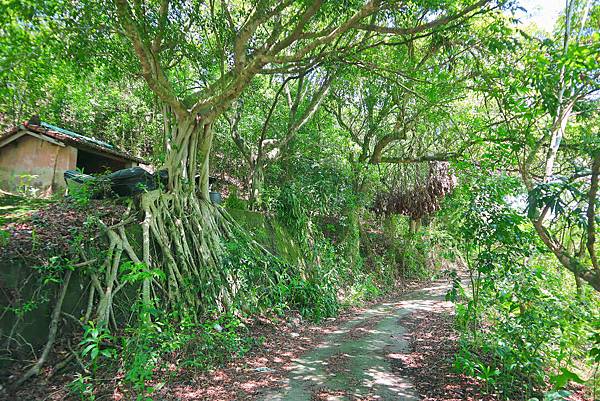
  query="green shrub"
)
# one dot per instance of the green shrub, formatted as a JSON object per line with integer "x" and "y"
{"x": 523, "y": 325}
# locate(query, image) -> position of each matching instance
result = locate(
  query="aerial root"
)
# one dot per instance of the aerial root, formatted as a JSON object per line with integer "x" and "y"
{"x": 184, "y": 238}
{"x": 36, "y": 368}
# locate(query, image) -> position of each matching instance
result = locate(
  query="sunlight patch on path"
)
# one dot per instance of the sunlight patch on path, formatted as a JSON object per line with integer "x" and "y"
{"x": 355, "y": 362}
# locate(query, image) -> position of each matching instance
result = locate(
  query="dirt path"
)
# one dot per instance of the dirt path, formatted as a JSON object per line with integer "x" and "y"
{"x": 362, "y": 360}
{"x": 363, "y": 354}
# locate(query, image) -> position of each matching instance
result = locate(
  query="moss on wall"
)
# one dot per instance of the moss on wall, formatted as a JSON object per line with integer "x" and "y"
{"x": 271, "y": 234}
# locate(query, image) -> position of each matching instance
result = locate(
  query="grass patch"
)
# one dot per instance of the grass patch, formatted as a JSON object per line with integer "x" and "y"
{"x": 17, "y": 209}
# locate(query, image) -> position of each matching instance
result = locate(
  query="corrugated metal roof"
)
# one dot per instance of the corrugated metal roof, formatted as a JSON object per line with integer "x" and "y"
{"x": 76, "y": 135}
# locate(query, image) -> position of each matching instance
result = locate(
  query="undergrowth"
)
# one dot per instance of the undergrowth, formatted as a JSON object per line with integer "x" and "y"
{"x": 526, "y": 330}
{"x": 144, "y": 341}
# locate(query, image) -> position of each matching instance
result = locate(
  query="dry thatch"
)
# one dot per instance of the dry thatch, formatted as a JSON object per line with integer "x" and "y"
{"x": 418, "y": 191}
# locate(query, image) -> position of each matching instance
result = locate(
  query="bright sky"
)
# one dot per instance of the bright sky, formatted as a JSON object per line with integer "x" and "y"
{"x": 543, "y": 13}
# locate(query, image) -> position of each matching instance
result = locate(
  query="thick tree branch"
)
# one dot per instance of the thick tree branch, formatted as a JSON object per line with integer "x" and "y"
{"x": 368, "y": 9}
{"x": 591, "y": 211}
{"x": 260, "y": 15}
{"x": 307, "y": 114}
{"x": 423, "y": 27}
{"x": 163, "y": 13}
{"x": 440, "y": 157}
{"x": 151, "y": 69}
{"x": 297, "y": 31}
{"x": 568, "y": 261}
{"x": 263, "y": 132}
{"x": 237, "y": 138}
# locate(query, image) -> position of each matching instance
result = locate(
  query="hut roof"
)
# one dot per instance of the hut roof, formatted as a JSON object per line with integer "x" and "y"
{"x": 67, "y": 137}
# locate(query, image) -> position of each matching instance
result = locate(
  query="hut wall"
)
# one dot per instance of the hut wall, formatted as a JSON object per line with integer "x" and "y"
{"x": 30, "y": 162}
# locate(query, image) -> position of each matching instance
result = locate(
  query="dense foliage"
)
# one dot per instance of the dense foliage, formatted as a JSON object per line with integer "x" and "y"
{"x": 357, "y": 144}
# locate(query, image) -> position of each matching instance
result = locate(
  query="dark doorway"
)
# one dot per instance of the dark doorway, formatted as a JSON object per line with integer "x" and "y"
{"x": 92, "y": 163}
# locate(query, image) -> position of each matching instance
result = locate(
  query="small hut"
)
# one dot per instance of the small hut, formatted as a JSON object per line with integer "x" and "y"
{"x": 36, "y": 154}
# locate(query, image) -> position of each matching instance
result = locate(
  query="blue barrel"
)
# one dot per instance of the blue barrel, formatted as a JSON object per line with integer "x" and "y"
{"x": 215, "y": 197}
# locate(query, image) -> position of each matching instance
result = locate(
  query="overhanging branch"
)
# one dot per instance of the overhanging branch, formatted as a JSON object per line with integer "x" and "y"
{"x": 423, "y": 27}
{"x": 440, "y": 157}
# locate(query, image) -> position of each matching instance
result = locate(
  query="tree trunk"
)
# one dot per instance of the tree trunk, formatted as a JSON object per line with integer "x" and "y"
{"x": 351, "y": 236}
{"x": 389, "y": 231}
{"x": 578, "y": 286}
{"x": 189, "y": 233}
{"x": 256, "y": 182}
{"x": 591, "y": 276}
{"x": 414, "y": 225}
{"x": 188, "y": 147}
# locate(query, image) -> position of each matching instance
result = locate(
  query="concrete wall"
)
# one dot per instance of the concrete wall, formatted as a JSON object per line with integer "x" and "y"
{"x": 44, "y": 163}
{"x": 271, "y": 234}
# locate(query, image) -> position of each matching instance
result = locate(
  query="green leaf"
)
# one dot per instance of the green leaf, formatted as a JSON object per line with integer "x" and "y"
{"x": 561, "y": 380}
{"x": 87, "y": 349}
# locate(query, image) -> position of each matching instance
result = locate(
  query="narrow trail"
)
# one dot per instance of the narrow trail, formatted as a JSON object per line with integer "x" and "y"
{"x": 362, "y": 360}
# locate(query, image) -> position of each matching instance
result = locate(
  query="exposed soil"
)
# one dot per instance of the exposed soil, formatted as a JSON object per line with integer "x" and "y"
{"x": 434, "y": 342}
{"x": 356, "y": 362}
{"x": 267, "y": 366}
{"x": 362, "y": 329}
{"x": 422, "y": 321}
{"x": 37, "y": 229}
